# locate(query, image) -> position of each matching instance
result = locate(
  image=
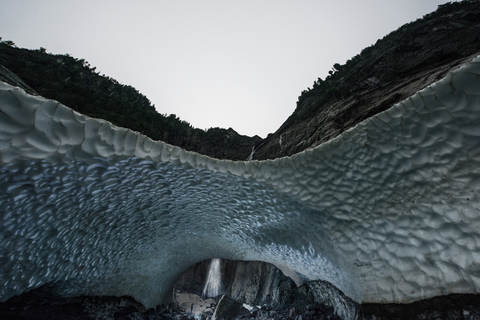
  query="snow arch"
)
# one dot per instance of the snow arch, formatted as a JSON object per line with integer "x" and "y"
{"x": 387, "y": 212}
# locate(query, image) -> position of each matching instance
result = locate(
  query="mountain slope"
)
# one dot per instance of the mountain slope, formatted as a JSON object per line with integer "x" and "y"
{"x": 397, "y": 66}
{"x": 74, "y": 83}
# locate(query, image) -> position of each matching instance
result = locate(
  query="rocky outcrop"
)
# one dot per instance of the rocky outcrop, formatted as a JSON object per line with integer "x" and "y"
{"x": 222, "y": 143}
{"x": 264, "y": 287}
{"x": 452, "y": 307}
{"x": 229, "y": 309}
{"x": 250, "y": 282}
{"x": 44, "y": 303}
{"x": 397, "y": 66}
{"x": 260, "y": 283}
{"x": 11, "y": 78}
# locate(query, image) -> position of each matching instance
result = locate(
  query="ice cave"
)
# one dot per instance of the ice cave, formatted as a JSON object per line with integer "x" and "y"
{"x": 387, "y": 212}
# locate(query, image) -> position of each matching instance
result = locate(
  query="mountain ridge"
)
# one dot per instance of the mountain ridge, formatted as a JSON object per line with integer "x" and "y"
{"x": 402, "y": 63}
{"x": 74, "y": 83}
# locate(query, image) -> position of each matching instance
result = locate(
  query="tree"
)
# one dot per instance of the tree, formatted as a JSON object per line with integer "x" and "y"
{"x": 9, "y": 43}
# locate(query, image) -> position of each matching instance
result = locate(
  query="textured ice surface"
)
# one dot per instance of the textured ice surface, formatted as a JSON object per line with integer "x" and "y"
{"x": 387, "y": 212}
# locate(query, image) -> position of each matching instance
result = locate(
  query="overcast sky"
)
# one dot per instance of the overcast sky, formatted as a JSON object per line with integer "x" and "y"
{"x": 222, "y": 63}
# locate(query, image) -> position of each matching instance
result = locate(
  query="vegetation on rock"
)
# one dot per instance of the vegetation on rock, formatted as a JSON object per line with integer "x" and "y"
{"x": 394, "y": 68}
{"x": 76, "y": 84}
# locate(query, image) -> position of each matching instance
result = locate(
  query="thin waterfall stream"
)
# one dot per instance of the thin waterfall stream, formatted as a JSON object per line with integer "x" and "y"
{"x": 213, "y": 285}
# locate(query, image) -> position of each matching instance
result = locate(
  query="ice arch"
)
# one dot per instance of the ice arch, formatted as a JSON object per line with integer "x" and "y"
{"x": 387, "y": 212}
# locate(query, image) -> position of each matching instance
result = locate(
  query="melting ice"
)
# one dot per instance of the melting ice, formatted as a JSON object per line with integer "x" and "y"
{"x": 213, "y": 284}
{"x": 387, "y": 212}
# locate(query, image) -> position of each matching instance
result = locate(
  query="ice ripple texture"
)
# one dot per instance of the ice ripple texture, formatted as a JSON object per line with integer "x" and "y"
{"x": 387, "y": 212}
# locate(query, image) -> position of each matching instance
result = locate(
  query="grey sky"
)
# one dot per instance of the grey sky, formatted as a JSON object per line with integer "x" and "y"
{"x": 239, "y": 64}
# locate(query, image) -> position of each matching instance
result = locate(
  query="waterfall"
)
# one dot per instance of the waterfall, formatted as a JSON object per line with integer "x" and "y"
{"x": 250, "y": 157}
{"x": 213, "y": 284}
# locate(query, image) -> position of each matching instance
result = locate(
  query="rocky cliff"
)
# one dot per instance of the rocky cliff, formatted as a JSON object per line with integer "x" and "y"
{"x": 397, "y": 66}
{"x": 262, "y": 286}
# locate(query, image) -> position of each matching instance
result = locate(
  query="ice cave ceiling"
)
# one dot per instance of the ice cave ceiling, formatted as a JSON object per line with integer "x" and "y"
{"x": 387, "y": 212}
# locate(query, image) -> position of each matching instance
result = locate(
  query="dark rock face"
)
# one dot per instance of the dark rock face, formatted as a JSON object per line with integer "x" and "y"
{"x": 229, "y": 309}
{"x": 264, "y": 287}
{"x": 44, "y": 304}
{"x": 223, "y": 144}
{"x": 397, "y": 66}
{"x": 11, "y": 78}
{"x": 251, "y": 282}
{"x": 259, "y": 283}
{"x": 193, "y": 280}
{"x": 452, "y": 307}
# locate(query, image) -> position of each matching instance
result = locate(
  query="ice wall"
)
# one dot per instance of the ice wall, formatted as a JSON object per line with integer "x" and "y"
{"x": 387, "y": 212}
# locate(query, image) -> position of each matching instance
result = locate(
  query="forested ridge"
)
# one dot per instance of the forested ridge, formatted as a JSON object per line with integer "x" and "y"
{"x": 397, "y": 66}
{"x": 76, "y": 84}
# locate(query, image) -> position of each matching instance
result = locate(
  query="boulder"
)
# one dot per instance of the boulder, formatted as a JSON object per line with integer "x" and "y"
{"x": 229, "y": 309}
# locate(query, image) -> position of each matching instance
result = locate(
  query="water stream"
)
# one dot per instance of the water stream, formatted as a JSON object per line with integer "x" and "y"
{"x": 213, "y": 285}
